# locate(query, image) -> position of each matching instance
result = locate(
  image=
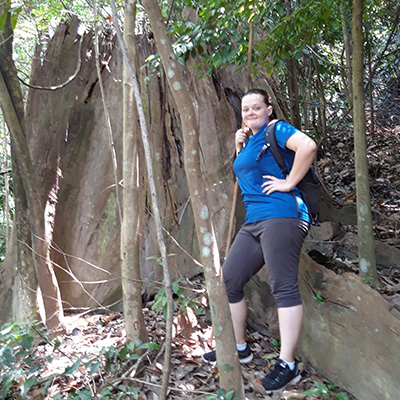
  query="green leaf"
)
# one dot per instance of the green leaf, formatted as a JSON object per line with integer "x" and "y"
{"x": 7, "y": 356}
{"x": 28, "y": 383}
{"x": 26, "y": 341}
{"x": 130, "y": 346}
{"x": 85, "y": 394}
{"x": 5, "y": 387}
{"x": 17, "y": 9}
{"x": 319, "y": 297}
{"x": 275, "y": 343}
{"x": 94, "y": 368}
{"x": 13, "y": 20}
{"x": 342, "y": 396}
{"x": 270, "y": 356}
{"x": 46, "y": 386}
{"x": 57, "y": 344}
{"x": 105, "y": 392}
{"x": 72, "y": 368}
{"x": 229, "y": 395}
{"x": 311, "y": 392}
{"x": 123, "y": 353}
{"x": 368, "y": 278}
{"x": 151, "y": 345}
{"x": 322, "y": 388}
{"x": 221, "y": 394}
{"x": 3, "y": 19}
{"x": 175, "y": 286}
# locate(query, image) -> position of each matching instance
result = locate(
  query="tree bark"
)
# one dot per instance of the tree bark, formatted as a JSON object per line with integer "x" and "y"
{"x": 132, "y": 199}
{"x": 322, "y": 99}
{"x": 11, "y": 100}
{"x": 156, "y": 210}
{"x": 348, "y": 82}
{"x": 228, "y": 363}
{"x": 366, "y": 253}
{"x": 293, "y": 86}
{"x": 6, "y": 185}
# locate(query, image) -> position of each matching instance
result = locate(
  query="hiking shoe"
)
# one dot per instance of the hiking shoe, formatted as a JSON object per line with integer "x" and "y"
{"x": 281, "y": 376}
{"x": 245, "y": 356}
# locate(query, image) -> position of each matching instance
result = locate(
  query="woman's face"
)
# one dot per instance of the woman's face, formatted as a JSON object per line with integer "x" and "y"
{"x": 255, "y": 113}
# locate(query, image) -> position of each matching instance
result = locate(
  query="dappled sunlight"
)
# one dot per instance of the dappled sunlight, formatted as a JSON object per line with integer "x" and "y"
{"x": 193, "y": 342}
{"x": 84, "y": 338}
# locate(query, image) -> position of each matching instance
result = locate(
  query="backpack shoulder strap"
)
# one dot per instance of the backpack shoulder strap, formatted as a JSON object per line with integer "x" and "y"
{"x": 272, "y": 144}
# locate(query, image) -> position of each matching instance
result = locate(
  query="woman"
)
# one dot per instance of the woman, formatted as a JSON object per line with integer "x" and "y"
{"x": 276, "y": 225}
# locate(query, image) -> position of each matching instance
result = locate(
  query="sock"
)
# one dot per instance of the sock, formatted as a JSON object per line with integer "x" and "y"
{"x": 291, "y": 365}
{"x": 241, "y": 346}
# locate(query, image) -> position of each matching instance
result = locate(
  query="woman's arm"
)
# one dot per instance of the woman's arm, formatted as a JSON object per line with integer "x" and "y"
{"x": 305, "y": 149}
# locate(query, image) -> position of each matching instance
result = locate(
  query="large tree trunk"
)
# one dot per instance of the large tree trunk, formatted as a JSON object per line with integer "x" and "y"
{"x": 67, "y": 134}
{"x": 36, "y": 195}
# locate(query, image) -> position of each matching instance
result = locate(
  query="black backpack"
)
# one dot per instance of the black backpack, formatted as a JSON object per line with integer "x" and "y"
{"x": 309, "y": 186}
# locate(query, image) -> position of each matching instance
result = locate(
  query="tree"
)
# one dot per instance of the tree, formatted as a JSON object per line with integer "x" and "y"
{"x": 347, "y": 48}
{"x": 155, "y": 204}
{"x": 132, "y": 199}
{"x": 5, "y": 203}
{"x": 228, "y": 362}
{"x": 366, "y": 248}
{"x": 27, "y": 184}
{"x": 293, "y": 89}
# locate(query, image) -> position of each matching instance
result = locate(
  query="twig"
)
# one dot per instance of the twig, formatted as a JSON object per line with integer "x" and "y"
{"x": 106, "y": 113}
{"x": 174, "y": 389}
{"x": 69, "y": 80}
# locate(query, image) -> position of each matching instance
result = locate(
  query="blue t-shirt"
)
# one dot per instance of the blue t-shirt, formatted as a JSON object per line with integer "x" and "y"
{"x": 249, "y": 171}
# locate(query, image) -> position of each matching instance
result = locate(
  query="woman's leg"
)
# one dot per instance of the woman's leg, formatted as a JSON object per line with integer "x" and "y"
{"x": 239, "y": 316}
{"x": 290, "y": 322}
{"x": 245, "y": 259}
{"x": 282, "y": 240}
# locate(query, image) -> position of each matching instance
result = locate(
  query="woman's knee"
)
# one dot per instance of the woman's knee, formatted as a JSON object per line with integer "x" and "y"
{"x": 286, "y": 295}
{"x": 234, "y": 288}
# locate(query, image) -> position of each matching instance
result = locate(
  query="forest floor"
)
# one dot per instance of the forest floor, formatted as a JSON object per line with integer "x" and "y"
{"x": 92, "y": 359}
{"x": 190, "y": 378}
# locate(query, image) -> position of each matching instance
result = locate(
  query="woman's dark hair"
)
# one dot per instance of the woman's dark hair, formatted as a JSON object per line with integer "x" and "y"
{"x": 265, "y": 96}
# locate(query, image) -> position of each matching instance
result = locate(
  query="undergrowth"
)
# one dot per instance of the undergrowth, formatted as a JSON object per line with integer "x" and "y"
{"x": 23, "y": 369}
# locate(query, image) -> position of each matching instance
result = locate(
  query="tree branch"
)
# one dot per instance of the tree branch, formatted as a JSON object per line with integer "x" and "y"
{"x": 69, "y": 80}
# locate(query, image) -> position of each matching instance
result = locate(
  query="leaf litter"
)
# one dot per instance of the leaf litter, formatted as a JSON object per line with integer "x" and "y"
{"x": 77, "y": 363}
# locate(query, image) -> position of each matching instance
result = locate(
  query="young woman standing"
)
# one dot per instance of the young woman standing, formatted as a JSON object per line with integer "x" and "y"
{"x": 276, "y": 225}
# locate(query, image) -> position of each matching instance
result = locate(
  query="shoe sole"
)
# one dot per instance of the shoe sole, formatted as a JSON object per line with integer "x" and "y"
{"x": 247, "y": 359}
{"x": 241, "y": 360}
{"x": 296, "y": 379}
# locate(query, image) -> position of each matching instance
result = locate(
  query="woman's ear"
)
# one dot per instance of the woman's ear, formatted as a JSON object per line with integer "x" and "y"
{"x": 270, "y": 110}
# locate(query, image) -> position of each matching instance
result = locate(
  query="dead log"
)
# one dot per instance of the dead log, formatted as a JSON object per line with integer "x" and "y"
{"x": 349, "y": 334}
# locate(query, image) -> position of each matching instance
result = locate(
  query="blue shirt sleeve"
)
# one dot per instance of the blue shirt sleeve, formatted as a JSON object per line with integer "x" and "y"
{"x": 283, "y": 131}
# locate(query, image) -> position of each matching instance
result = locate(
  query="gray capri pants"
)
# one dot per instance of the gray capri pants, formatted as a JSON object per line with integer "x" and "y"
{"x": 274, "y": 242}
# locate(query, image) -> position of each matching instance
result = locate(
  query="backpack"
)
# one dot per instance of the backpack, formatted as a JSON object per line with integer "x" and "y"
{"x": 309, "y": 186}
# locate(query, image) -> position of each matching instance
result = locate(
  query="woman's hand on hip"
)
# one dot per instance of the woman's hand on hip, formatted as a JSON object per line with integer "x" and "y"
{"x": 274, "y": 184}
